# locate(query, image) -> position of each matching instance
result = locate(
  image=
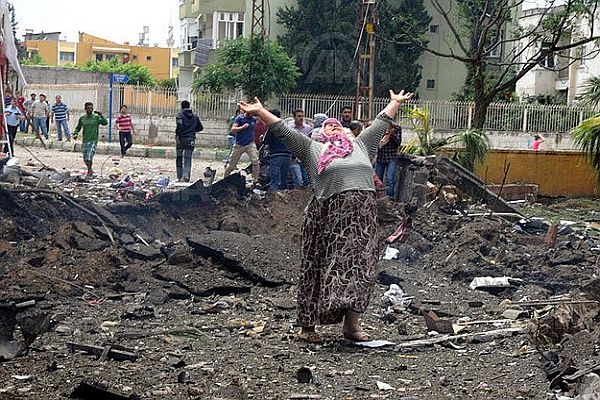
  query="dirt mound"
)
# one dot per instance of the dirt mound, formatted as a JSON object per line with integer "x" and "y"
{"x": 202, "y": 293}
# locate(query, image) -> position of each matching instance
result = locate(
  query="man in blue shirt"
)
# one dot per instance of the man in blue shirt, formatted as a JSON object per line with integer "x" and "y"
{"x": 60, "y": 114}
{"x": 243, "y": 129}
{"x": 13, "y": 115}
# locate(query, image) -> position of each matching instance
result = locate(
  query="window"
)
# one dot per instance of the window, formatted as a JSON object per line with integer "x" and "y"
{"x": 67, "y": 57}
{"x": 148, "y": 58}
{"x": 430, "y": 83}
{"x": 548, "y": 61}
{"x": 228, "y": 25}
{"x": 134, "y": 57}
{"x": 433, "y": 28}
{"x": 99, "y": 57}
{"x": 175, "y": 61}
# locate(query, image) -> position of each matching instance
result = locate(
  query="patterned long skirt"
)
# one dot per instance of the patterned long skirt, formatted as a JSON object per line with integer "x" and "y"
{"x": 339, "y": 257}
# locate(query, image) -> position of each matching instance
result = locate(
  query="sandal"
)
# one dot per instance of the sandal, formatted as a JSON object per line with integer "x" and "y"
{"x": 311, "y": 337}
{"x": 358, "y": 336}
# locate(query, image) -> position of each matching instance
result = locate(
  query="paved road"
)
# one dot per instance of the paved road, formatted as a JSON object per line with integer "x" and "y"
{"x": 151, "y": 167}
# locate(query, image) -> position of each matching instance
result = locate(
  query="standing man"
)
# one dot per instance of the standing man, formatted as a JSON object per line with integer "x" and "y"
{"x": 299, "y": 174}
{"x": 125, "y": 128}
{"x": 60, "y": 114}
{"x": 243, "y": 129}
{"x": 188, "y": 124}
{"x": 28, "y": 104}
{"x": 89, "y": 122}
{"x": 279, "y": 158}
{"x": 387, "y": 158}
{"x": 40, "y": 111}
{"x": 346, "y": 119}
{"x": 21, "y": 105}
{"x": 13, "y": 115}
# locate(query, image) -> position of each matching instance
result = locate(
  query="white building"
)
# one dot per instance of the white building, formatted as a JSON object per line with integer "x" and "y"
{"x": 563, "y": 75}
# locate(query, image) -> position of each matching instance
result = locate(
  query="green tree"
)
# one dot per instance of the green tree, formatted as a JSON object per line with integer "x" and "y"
{"x": 586, "y": 137}
{"x": 323, "y": 37}
{"x": 138, "y": 74}
{"x": 591, "y": 93}
{"x": 259, "y": 68}
{"x": 36, "y": 59}
{"x": 483, "y": 35}
{"x": 168, "y": 83}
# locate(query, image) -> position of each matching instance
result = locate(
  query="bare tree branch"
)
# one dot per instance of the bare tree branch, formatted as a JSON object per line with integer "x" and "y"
{"x": 438, "y": 7}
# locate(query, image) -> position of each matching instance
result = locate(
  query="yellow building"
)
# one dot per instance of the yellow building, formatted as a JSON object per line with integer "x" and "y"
{"x": 161, "y": 61}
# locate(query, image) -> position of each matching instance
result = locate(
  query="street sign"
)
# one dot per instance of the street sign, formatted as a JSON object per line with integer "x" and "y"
{"x": 120, "y": 78}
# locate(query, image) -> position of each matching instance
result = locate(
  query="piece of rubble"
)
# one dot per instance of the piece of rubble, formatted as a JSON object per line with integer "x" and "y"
{"x": 204, "y": 281}
{"x": 142, "y": 252}
{"x": 258, "y": 258}
{"x": 116, "y": 353}
{"x": 92, "y": 390}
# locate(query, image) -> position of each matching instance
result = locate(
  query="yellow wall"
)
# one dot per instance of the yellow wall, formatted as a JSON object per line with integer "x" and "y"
{"x": 557, "y": 173}
{"x": 159, "y": 64}
{"x": 48, "y": 50}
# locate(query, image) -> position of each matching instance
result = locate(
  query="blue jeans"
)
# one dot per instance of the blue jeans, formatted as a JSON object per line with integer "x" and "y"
{"x": 280, "y": 168}
{"x": 230, "y": 143}
{"x": 39, "y": 126}
{"x": 299, "y": 174}
{"x": 60, "y": 125}
{"x": 183, "y": 162}
{"x": 386, "y": 171}
{"x": 23, "y": 126}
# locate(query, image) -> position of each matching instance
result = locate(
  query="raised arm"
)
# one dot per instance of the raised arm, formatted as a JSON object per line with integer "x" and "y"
{"x": 298, "y": 143}
{"x": 371, "y": 136}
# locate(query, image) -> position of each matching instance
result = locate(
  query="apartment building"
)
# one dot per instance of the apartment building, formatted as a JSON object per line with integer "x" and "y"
{"x": 563, "y": 75}
{"x": 204, "y": 23}
{"x": 161, "y": 61}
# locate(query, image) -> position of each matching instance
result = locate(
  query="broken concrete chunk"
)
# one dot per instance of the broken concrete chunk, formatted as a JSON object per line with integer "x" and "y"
{"x": 515, "y": 314}
{"x": 205, "y": 281}
{"x": 259, "y": 258}
{"x": 143, "y": 252}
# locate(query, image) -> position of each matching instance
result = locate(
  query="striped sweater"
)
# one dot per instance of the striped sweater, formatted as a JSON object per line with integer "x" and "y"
{"x": 353, "y": 172}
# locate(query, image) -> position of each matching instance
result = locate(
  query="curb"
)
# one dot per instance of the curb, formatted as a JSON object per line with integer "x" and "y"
{"x": 200, "y": 153}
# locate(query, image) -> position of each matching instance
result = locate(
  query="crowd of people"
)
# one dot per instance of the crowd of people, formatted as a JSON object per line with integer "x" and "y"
{"x": 249, "y": 134}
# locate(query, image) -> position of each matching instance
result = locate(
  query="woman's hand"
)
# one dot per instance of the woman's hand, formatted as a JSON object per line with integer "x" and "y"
{"x": 401, "y": 97}
{"x": 251, "y": 108}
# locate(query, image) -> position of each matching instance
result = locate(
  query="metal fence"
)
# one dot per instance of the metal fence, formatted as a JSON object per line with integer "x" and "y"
{"x": 443, "y": 115}
{"x": 455, "y": 115}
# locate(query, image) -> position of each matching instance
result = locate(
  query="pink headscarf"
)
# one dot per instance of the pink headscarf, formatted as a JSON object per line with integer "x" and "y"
{"x": 338, "y": 146}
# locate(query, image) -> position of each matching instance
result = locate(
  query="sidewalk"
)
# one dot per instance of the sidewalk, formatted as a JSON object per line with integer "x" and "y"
{"x": 137, "y": 150}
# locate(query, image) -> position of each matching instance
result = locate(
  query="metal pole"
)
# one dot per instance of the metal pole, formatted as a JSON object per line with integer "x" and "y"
{"x": 110, "y": 108}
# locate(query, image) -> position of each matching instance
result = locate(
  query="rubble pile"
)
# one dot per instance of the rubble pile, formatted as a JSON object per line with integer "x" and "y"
{"x": 190, "y": 294}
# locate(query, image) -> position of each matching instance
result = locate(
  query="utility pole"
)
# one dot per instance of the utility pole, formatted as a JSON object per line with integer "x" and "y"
{"x": 365, "y": 62}
{"x": 258, "y": 18}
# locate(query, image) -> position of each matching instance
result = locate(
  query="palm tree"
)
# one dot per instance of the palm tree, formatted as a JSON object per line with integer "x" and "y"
{"x": 591, "y": 94}
{"x": 472, "y": 144}
{"x": 586, "y": 136}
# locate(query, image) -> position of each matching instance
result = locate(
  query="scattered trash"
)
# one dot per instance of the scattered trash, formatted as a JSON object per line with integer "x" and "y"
{"x": 395, "y": 296}
{"x": 440, "y": 325}
{"x": 493, "y": 283}
{"x": 384, "y": 386}
{"x": 390, "y": 253}
{"x": 374, "y": 344}
{"x": 401, "y": 233}
{"x": 163, "y": 182}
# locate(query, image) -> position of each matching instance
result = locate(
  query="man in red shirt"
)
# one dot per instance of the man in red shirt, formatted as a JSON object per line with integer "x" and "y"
{"x": 125, "y": 128}
{"x": 21, "y": 104}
